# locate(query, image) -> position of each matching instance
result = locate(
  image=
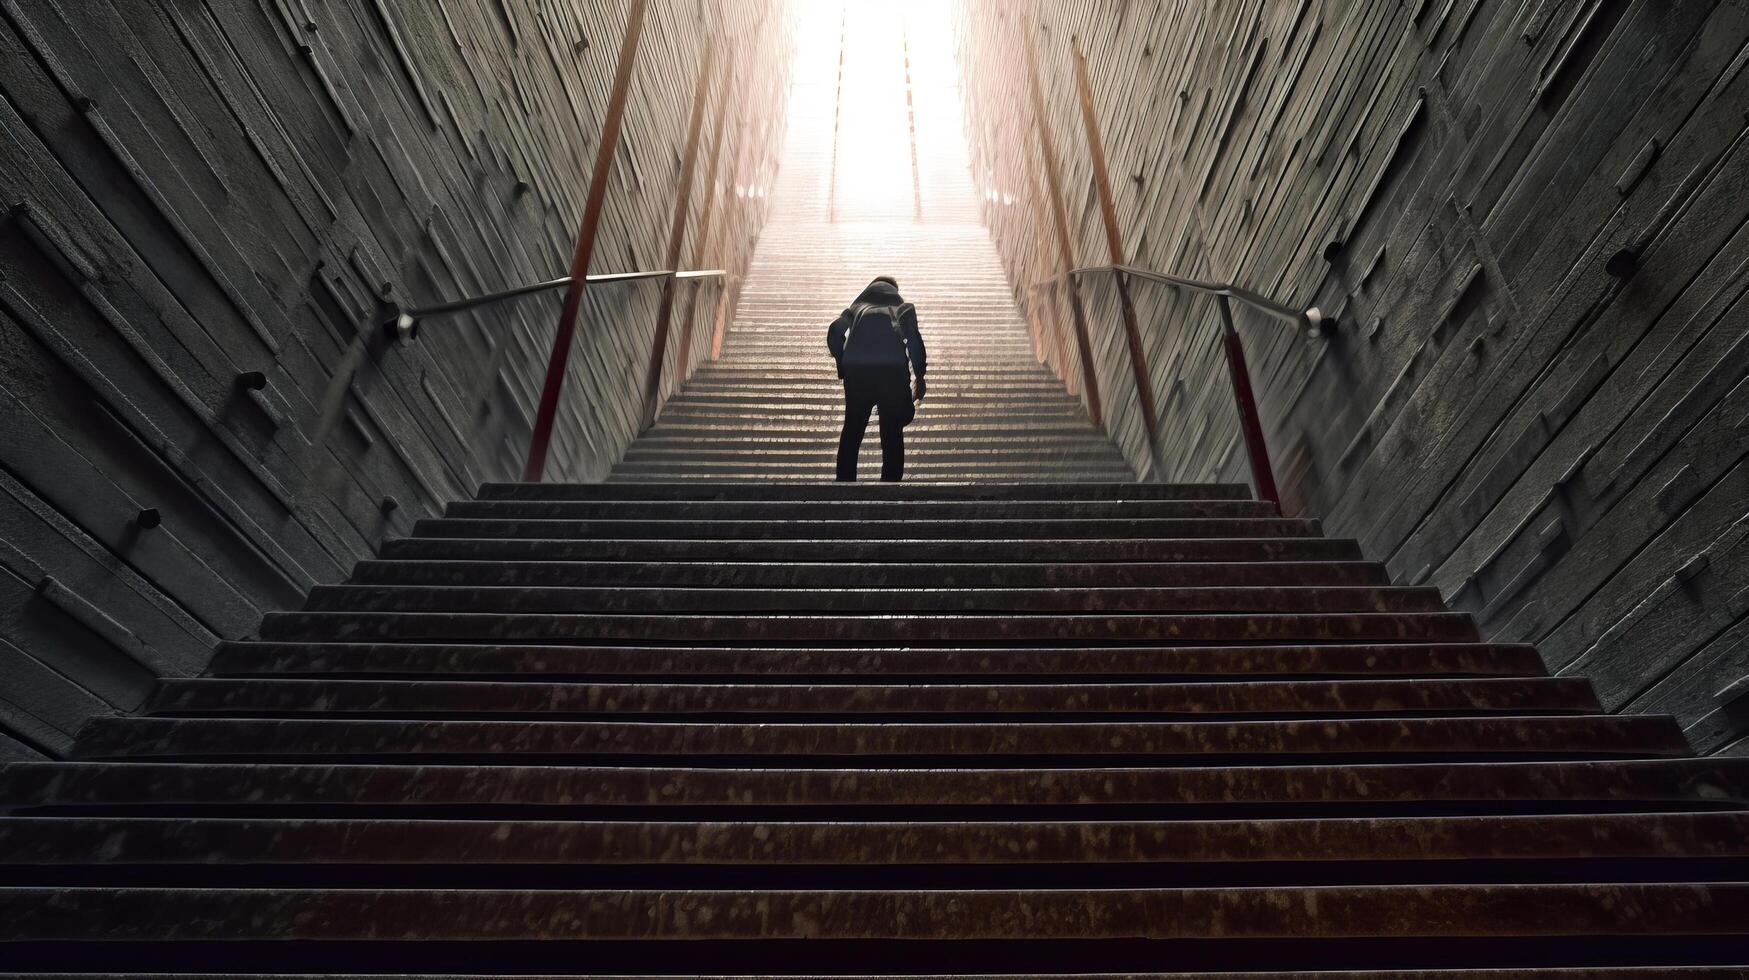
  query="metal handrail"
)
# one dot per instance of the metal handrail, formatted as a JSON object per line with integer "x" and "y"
{"x": 1312, "y": 320}
{"x": 404, "y": 323}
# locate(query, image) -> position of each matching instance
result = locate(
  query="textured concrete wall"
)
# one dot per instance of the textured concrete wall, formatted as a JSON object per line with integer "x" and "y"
{"x": 200, "y": 190}
{"x": 1561, "y": 449}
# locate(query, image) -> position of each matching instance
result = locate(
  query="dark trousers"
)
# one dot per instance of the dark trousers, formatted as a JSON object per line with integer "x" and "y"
{"x": 865, "y": 389}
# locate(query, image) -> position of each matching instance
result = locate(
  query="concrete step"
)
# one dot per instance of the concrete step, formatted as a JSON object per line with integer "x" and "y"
{"x": 923, "y": 471}
{"x": 768, "y": 453}
{"x": 1109, "y": 529}
{"x": 426, "y": 698}
{"x": 1327, "y": 740}
{"x": 1065, "y": 413}
{"x": 859, "y": 510}
{"x": 824, "y": 430}
{"x": 795, "y": 792}
{"x": 857, "y": 601}
{"x": 872, "y": 551}
{"x": 933, "y": 630}
{"x": 1315, "y": 849}
{"x": 239, "y": 658}
{"x": 829, "y": 491}
{"x": 820, "y": 575}
{"x": 1241, "y": 915}
{"x": 1478, "y": 973}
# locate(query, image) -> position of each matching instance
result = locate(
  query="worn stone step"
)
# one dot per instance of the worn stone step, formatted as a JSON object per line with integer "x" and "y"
{"x": 1484, "y": 973}
{"x": 782, "y": 417}
{"x": 197, "y": 915}
{"x": 776, "y": 355}
{"x": 917, "y": 629}
{"x": 258, "y": 657}
{"x": 926, "y": 431}
{"x": 865, "y": 551}
{"x": 825, "y": 529}
{"x": 828, "y": 389}
{"x": 856, "y": 601}
{"x": 982, "y": 408}
{"x": 1016, "y": 389}
{"x": 937, "y": 442}
{"x": 866, "y": 491}
{"x": 750, "y": 455}
{"x": 1648, "y": 785}
{"x": 1161, "y": 743}
{"x": 946, "y": 381}
{"x": 461, "y": 699}
{"x": 821, "y": 575}
{"x": 1303, "y": 845}
{"x": 1043, "y": 464}
{"x": 1043, "y": 471}
{"x": 860, "y": 510}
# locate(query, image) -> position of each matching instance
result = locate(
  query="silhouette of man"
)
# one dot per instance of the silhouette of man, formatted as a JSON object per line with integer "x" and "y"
{"x": 878, "y": 348}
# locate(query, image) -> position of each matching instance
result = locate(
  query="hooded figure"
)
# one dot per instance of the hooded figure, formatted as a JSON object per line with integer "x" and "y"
{"x": 877, "y": 347}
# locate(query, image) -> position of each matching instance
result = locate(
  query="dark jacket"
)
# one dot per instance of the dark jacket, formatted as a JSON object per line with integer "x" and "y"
{"x": 878, "y": 330}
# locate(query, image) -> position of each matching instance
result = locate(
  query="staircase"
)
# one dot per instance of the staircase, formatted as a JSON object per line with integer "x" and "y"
{"x": 771, "y": 407}
{"x": 712, "y": 729}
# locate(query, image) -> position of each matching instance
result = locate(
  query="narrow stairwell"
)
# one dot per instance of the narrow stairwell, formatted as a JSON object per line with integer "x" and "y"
{"x": 770, "y": 408}
{"x": 1020, "y": 717}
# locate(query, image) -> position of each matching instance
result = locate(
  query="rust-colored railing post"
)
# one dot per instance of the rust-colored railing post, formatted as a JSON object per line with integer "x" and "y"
{"x": 547, "y": 412}
{"x": 677, "y": 235}
{"x": 701, "y": 247}
{"x": 712, "y": 230}
{"x": 1065, "y": 251}
{"x": 1250, "y": 422}
{"x": 1114, "y": 245}
{"x": 732, "y": 283}
{"x": 1041, "y": 254}
{"x": 837, "y": 111}
{"x": 911, "y": 119}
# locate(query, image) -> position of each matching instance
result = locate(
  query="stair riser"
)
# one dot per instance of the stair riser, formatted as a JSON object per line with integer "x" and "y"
{"x": 25, "y": 841}
{"x": 884, "y": 552}
{"x": 1012, "y": 665}
{"x": 1429, "y": 739}
{"x": 1654, "y": 784}
{"x": 931, "y": 630}
{"x": 1230, "y": 915}
{"x": 827, "y": 530}
{"x": 739, "y": 601}
{"x": 858, "y": 511}
{"x": 826, "y": 576}
{"x": 429, "y": 698}
{"x": 836, "y": 491}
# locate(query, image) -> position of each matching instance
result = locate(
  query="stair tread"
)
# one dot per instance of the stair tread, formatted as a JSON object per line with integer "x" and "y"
{"x": 919, "y": 628}
{"x": 138, "y": 840}
{"x": 776, "y": 574}
{"x": 450, "y": 698}
{"x": 850, "y": 600}
{"x": 339, "y": 659}
{"x": 1575, "y": 735}
{"x": 207, "y": 915}
{"x": 1659, "y": 783}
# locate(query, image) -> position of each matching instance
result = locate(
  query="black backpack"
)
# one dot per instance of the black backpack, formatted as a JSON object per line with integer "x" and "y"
{"x": 895, "y": 319}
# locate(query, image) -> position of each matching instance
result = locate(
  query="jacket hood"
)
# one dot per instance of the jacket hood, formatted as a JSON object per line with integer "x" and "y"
{"x": 879, "y": 293}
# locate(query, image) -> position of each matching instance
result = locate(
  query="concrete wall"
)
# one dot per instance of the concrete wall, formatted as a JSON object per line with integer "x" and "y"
{"x": 1562, "y": 450}
{"x": 197, "y": 191}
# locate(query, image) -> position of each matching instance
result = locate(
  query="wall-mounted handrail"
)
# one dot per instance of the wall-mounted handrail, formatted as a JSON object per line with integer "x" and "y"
{"x": 406, "y": 321}
{"x": 1312, "y": 320}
